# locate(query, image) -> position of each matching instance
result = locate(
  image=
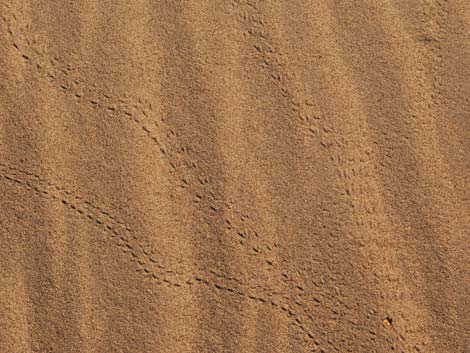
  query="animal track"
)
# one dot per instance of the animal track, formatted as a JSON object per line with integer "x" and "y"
{"x": 145, "y": 262}
{"x": 61, "y": 76}
{"x": 354, "y": 163}
{"x": 182, "y": 160}
{"x": 355, "y": 166}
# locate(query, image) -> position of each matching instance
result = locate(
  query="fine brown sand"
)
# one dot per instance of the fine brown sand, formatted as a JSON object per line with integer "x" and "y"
{"x": 235, "y": 176}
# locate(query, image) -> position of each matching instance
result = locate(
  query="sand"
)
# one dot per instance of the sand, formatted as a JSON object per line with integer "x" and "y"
{"x": 235, "y": 176}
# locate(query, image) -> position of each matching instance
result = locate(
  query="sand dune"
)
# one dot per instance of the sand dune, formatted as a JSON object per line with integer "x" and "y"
{"x": 235, "y": 176}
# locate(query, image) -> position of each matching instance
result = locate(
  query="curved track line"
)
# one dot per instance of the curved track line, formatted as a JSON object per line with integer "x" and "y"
{"x": 57, "y": 73}
{"x": 181, "y": 159}
{"x": 146, "y": 265}
{"x": 355, "y": 170}
{"x": 61, "y": 76}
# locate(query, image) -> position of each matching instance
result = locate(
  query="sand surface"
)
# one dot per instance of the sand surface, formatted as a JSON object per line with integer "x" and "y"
{"x": 235, "y": 176}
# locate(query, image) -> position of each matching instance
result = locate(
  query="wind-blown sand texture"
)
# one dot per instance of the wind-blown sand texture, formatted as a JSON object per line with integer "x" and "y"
{"x": 235, "y": 176}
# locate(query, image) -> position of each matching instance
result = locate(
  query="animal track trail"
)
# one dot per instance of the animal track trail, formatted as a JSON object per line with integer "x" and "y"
{"x": 63, "y": 77}
{"x": 255, "y": 31}
{"x": 66, "y": 79}
{"x": 355, "y": 166}
{"x": 142, "y": 260}
{"x": 121, "y": 234}
{"x": 99, "y": 215}
{"x": 355, "y": 170}
{"x": 182, "y": 160}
